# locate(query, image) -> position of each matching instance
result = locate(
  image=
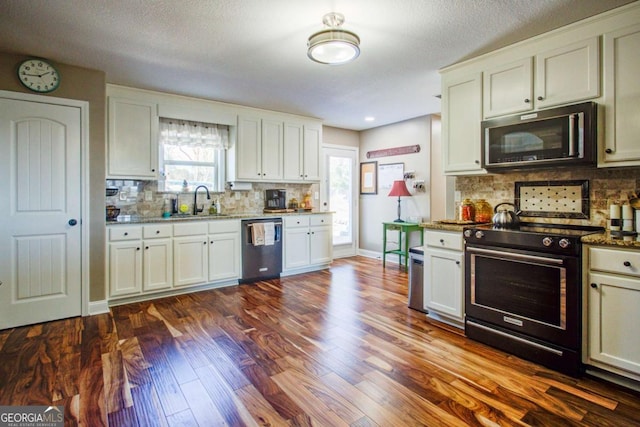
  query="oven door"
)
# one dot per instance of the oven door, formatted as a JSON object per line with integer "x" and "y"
{"x": 534, "y": 294}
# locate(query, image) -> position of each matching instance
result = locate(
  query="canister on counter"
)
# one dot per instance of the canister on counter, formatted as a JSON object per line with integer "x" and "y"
{"x": 484, "y": 212}
{"x": 467, "y": 210}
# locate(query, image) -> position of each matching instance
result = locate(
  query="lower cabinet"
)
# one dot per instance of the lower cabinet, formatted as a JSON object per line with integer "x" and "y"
{"x": 613, "y": 302}
{"x": 308, "y": 243}
{"x": 443, "y": 277}
{"x": 157, "y": 258}
{"x": 125, "y": 268}
{"x": 224, "y": 250}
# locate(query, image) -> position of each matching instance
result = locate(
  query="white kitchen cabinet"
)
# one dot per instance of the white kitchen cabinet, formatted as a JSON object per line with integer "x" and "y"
{"x": 308, "y": 243}
{"x": 461, "y": 117}
{"x": 132, "y": 139}
{"x": 508, "y": 88}
{"x": 302, "y": 151}
{"x": 258, "y": 155}
{"x": 157, "y": 257}
{"x": 443, "y": 277}
{"x": 224, "y": 250}
{"x": 191, "y": 254}
{"x": 563, "y": 75}
{"x": 125, "y": 261}
{"x": 621, "y": 98}
{"x": 613, "y": 299}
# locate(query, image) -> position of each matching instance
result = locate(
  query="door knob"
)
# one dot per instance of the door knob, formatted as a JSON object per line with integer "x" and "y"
{"x": 73, "y": 222}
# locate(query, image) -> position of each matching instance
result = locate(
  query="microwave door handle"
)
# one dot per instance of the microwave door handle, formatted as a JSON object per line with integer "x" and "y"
{"x": 572, "y": 135}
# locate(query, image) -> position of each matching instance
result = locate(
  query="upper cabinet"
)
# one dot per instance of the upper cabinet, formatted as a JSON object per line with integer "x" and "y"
{"x": 562, "y": 75}
{"x": 265, "y": 146}
{"x": 302, "y": 151}
{"x": 621, "y": 98}
{"x": 258, "y": 151}
{"x": 132, "y": 139}
{"x": 461, "y": 116}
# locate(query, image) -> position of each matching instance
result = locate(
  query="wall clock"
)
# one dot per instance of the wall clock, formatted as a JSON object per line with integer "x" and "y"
{"x": 38, "y": 75}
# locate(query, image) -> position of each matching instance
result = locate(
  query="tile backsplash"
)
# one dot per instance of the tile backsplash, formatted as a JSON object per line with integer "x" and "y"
{"x": 605, "y": 186}
{"x": 133, "y": 197}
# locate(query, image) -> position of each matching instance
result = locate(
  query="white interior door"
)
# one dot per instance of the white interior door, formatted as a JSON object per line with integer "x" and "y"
{"x": 40, "y": 195}
{"x": 340, "y": 196}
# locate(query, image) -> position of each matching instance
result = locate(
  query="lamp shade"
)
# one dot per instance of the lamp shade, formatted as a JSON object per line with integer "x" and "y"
{"x": 399, "y": 189}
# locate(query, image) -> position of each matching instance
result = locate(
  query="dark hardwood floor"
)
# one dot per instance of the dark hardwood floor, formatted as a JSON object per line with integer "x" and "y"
{"x": 331, "y": 348}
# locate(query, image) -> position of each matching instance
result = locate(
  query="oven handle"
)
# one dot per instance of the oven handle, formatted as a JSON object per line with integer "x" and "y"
{"x": 516, "y": 256}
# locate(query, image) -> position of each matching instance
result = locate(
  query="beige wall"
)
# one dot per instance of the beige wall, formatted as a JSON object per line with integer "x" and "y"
{"x": 378, "y": 208}
{"x": 87, "y": 85}
{"x": 338, "y": 136}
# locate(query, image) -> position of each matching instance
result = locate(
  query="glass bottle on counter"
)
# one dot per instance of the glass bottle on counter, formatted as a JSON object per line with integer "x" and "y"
{"x": 467, "y": 210}
{"x": 484, "y": 211}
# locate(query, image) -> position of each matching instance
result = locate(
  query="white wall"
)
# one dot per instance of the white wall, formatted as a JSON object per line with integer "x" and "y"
{"x": 338, "y": 136}
{"x": 379, "y": 208}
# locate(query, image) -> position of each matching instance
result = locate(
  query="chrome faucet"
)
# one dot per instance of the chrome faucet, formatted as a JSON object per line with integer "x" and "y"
{"x": 195, "y": 199}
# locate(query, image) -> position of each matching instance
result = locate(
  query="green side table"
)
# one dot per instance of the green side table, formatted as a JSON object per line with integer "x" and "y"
{"x": 404, "y": 230}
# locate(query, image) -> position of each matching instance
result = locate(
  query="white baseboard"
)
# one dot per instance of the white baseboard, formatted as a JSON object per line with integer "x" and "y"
{"x": 98, "y": 307}
{"x": 391, "y": 258}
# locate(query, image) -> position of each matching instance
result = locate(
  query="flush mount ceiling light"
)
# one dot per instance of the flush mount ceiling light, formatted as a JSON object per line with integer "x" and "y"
{"x": 333, "y": 45}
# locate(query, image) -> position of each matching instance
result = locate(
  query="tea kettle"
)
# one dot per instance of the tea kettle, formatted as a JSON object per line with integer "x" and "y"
{"x": 505, "y": 218}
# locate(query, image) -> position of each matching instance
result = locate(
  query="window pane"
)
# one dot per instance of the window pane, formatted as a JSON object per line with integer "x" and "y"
{"x": 193, "y": 153}
{"x": 340, "y": 177}
{"x": 195, "y": 175}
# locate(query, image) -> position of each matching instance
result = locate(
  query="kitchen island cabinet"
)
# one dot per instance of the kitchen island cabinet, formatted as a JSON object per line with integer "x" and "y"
{"x": 612, "y": 300}
{"x": 443, "y": 276}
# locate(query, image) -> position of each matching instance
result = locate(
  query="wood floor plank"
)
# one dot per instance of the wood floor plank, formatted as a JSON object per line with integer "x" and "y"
{"x": 334, "y": 347}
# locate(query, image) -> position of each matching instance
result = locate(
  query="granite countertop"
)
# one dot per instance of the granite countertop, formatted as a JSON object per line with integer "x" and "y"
{"x": 607, "y": 239}
{"x": 445, "y": 226}
{"x": 135, "y": 219}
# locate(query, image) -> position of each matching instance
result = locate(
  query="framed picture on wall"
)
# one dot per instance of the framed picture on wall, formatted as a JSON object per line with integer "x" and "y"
{"x": 369, "y": 178}
{"x": 388, "y": 173}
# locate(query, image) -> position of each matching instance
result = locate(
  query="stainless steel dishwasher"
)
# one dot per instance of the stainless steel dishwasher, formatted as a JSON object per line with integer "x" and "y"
{"x": 416, "y": 278}
{"x": 264, "y": 260}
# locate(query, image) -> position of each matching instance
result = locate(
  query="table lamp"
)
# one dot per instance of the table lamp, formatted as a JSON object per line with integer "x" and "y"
{"x": 399, "y": 189}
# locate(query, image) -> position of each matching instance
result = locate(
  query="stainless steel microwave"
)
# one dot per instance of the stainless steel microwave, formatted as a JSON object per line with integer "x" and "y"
{"x": 564, "y": 136}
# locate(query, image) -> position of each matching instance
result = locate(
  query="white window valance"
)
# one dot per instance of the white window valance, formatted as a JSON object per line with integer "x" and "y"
{"x": 182, "y": 132}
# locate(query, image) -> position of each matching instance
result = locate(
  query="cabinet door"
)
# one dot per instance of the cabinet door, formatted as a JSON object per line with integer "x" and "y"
{"x": 158, "y": 265}
{"x": 125, "y": 268}
{"x": 613, "y": 315}
{"x": 568, "y": 74}
{"x": 272, "y": 155}
{"x": 320, "y": 245}
{"x": 190, "y": 260}
{"x": 461, "y": 117}
{"x": 249, "y": 148}
{"x": 443, "y": 282}
{"x": 224, "y": 256}
{"x": 293, "y": 151}
{"x": 311, "y": 157}
{"x": 508, "y": 89}
{"x": 296, "y": 247}
{"x": 621, "y": 98}
{"x": 132, "y": 139}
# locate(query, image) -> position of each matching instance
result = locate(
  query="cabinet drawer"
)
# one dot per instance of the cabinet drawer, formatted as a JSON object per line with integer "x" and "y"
{"x": 320, "y": 220}
{"x": 296, "y": 221}
{"x": 615, "y": 261}
{"x": 224, "y": 226}
{"x": 444, "y": 240}
{"x": 125, "y": 233}
{"x": 191, "y": 229}
{"x": 157, "y": 230}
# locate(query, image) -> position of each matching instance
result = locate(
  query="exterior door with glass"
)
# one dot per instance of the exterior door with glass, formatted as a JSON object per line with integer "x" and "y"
{"x": 339, "y": 195}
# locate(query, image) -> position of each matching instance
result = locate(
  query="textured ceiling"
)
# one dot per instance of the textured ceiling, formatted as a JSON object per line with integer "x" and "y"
{"x": 253, "y": 52}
